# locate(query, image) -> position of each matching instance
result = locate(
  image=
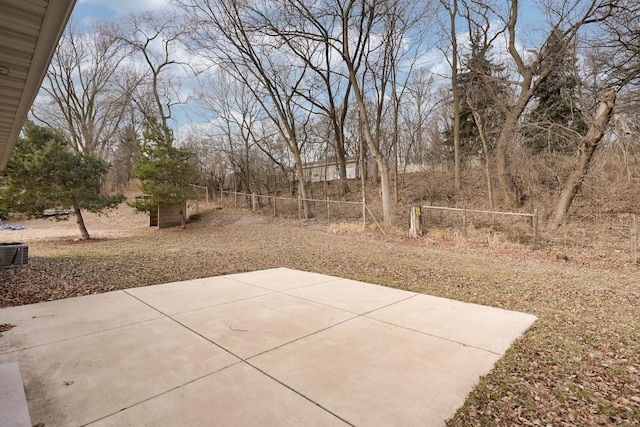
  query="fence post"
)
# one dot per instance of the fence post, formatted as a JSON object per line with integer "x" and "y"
{"x": 535, "y": 229}
{"x": 328, "y": 211}
{"x": 299, "y": 206}
{"x": 415, "y": 222}
{"x": 221, "y": 200}
{"x": 275, "y": 210}
{"x": 464, "y": 223}
{"x": 235, "y": 200}
{"x": 634, "y": 237}
{"x": 253, "y": 202}
{"x": 364, "y": 213}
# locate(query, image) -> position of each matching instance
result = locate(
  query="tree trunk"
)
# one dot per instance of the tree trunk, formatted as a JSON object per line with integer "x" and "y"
{"x": 485, "y": 151}
{"x": 587, "y": 148}
{"x": 302, "y": 187}
{"x": 455, "y": 90}
{"x": 457, "y": 168}
{"x": 385, "y": 186}
{"x": 396, "y": 113}
{"x": 342, "y": 161}
{"x": 502, "y": 161}
{"x": 80, "y": 221}
{"x": 183, "y": 217}
{"x": 381, "y": 162}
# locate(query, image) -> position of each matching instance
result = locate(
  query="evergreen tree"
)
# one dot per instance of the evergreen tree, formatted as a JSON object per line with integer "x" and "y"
{"x": 480, "y": 70}
{"x": 44, "y": 173}
{"x": 557, "y": 121}
{"x": 165, "y": 172}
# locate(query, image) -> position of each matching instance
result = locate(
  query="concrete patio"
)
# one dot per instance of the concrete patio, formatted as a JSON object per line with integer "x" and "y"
{"x": 271, "y": 348}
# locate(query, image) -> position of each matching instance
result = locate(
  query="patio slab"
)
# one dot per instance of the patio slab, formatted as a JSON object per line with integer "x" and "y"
{"x": 76, "y": 381}
{"x": 351, "y": 295}
{"x": 279, "y": 279}
{"x": 250, "y": 327}
{"x": 458, "y": 321}
{"x": 236, "y": 396}
{"x": 180, "y": 297}
{"x": 394, "y": 374}
{"x": 49, "y": 322}
{"x": 270, "y": 348}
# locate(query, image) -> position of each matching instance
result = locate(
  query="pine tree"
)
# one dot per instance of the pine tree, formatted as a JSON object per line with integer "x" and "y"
{"x": 557, "y": 121}
{"x": 165, "y": 172}
{"x": 480, "y": 69}
{"x": 44, "y": 173}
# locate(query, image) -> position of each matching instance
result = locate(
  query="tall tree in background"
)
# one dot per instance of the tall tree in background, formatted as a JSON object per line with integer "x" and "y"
{"x": 326, "y": 88}
{"x": 587, "y": 148}
{"x": 569, "y": 19}
{"x": 452, "y": 12}
{"x": 556, "y": 123}
{"x": 403, "y": 29}
{"x": 166, "y": 173}
{"x": 83, "y": 100}
{"x": 155, "y": 39}
{"x": 231, "y": 34}
{"x": 45, "y": 173}
{"x": 479, "y": 69}
{"x": 356, "y": 43}
{"x": 366, "y": 33}
{"x": 416, "y": 112}
{"x": 480, "y": 117}
{"x": 237, "y": 115}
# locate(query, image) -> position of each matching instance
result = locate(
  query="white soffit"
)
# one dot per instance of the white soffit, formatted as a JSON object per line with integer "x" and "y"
{"x": 29, "y": 33}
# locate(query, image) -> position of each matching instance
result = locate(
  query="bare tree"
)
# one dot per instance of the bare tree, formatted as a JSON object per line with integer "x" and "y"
{"x": 210, "y": 160}
{"x": 417, "y": 109}
{"x": 452, "y": 11}
{"x": 362, "y": 35}
{"x": 485, "y": 146}
{"x": 310, "y": 57}
{"x": 155, "y": 39}
{"x": 568, "y": 18}
{"x": 618, "y": 44}
{"x": 82, "y": 99}
{"x": 231, "y": 35}
{"x": 326, "y": 89}
{"x": 587, "y": 149}
{"x": 403, "y": 31}
{"x": 237, "y": 115}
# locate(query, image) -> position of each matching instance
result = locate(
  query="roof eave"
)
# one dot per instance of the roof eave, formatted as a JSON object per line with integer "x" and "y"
{"x": 53, "y": 25}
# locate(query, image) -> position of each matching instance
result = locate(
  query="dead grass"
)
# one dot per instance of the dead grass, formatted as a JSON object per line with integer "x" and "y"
{"x": 578, "y": 365}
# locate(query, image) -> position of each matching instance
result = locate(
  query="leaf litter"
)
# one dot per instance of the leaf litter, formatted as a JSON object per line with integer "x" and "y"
{"x": 578, "y": 365}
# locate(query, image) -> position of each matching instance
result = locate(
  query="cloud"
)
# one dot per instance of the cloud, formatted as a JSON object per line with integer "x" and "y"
{"x": 123, "y": 7}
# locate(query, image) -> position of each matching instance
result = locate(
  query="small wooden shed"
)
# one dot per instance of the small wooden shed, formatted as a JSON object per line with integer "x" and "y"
{"x": 164, "y": 216}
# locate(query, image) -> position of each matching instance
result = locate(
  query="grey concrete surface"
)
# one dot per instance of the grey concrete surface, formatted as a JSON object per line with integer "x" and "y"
{"x": 266, "y": 348}
{"x": 13, "y": 402}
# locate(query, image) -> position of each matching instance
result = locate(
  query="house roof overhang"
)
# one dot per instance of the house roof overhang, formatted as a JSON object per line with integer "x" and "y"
{"x": 29, "y": 33}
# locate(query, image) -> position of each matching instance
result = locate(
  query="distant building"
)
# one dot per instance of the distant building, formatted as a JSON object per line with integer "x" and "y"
{"x": 327, "y": 170}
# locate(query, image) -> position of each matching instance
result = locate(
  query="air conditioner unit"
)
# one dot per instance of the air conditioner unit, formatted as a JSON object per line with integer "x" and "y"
{"x": 13, "y": 254}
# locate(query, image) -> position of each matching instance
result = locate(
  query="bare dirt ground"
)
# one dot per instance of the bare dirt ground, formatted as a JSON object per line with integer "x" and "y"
{"x": 120, "y": 222}
{"x": 579, "y": 365}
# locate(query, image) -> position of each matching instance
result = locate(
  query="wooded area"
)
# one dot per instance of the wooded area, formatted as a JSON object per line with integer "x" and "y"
{"x": 538, "y": 96}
